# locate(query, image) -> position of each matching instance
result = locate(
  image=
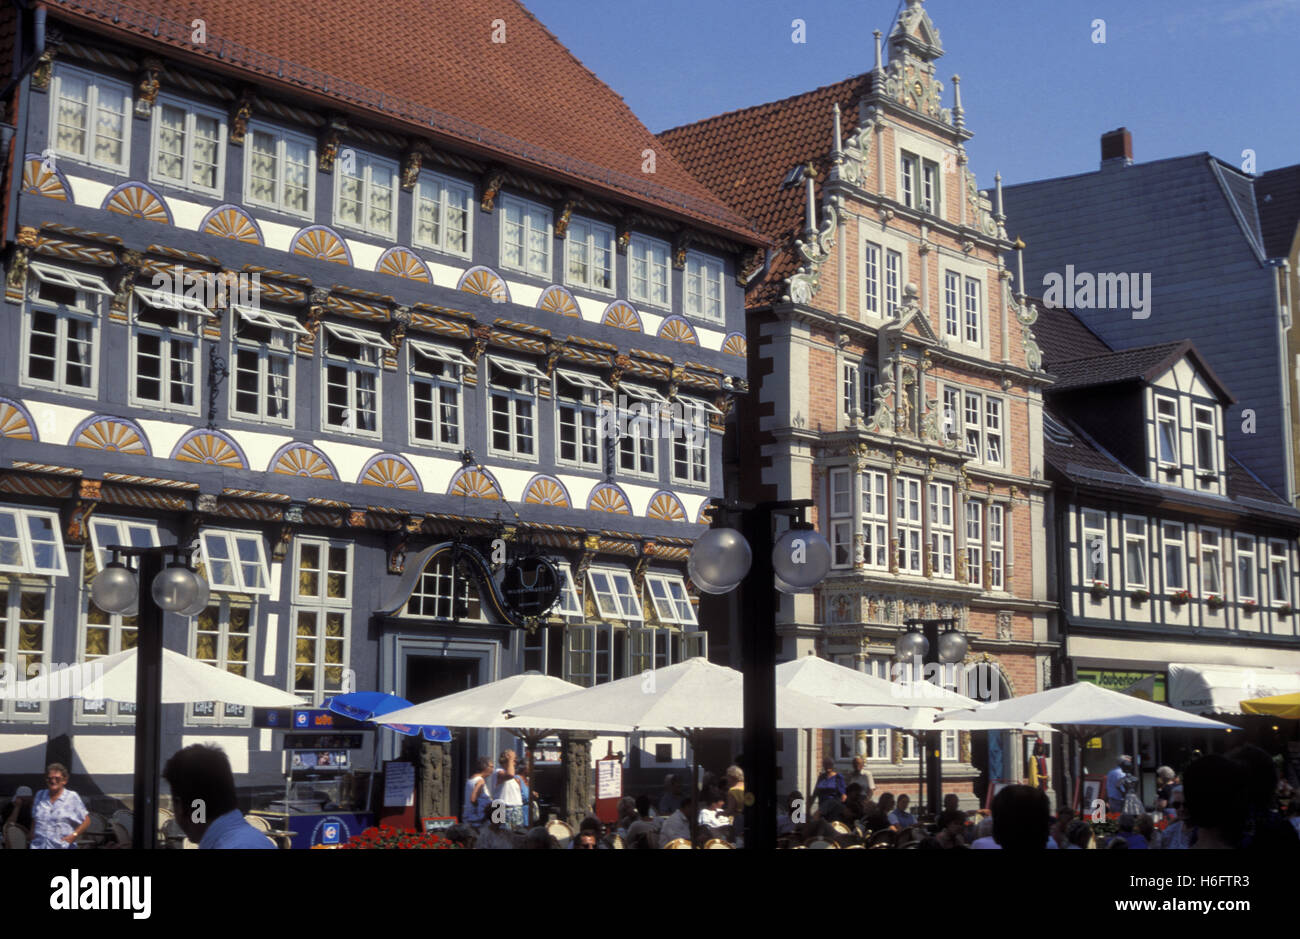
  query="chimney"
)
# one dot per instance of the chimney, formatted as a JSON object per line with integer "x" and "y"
{"x": 1117, "y": 147}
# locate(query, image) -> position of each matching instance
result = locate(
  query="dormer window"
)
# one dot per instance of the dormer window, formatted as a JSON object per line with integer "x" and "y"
{"x": 1167, "y": 431}
{"x": 1206, "y": 440}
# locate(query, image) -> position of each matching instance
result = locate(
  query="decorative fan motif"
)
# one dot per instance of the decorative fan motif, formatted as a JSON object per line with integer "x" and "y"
{"x": 735, "y": 344}
{"x": 390, "y": 472}
{"x": 322, "y": 243}
{"x": 486, "y": 283}
{"x": 666, "y": 507}
{"x": 138, "y": 201}
{"x": 298, "y": 459}
{"x": 622, "y": 315}
{"x": 15, "y": 422}
{"x": 546, "y": 490}
{"x": 475, "y": 483}
{"x": 230, "y": 221}
{"x": 114, "y": 434}
{"x": 678, "y": 330}
{"x": 40, "y": 179}
{"x": 558, "y": 300}
{"x": 609, "y": 498}
{"x": 210, "y": 447}
{"x": 403, "y": 262}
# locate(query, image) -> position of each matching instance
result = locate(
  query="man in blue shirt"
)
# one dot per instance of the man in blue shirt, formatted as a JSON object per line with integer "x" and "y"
{"x": 203, "y": 798}
{"x": 1115, "y": 784}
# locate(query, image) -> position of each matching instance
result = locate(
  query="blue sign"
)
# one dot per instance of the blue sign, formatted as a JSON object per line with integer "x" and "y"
{"x": 304, "y": 720}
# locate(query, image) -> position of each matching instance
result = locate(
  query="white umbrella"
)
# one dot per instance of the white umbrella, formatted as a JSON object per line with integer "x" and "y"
{"x": 824, "y": 679}
{"x": 923, "y": 719}
{"x": 1083, "y": 707}
{"x": 486, "y": 706}
{"x": 112, "y": 678}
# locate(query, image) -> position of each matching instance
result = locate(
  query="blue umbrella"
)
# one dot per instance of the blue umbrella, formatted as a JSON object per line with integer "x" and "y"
{"x": 363, "y": 705}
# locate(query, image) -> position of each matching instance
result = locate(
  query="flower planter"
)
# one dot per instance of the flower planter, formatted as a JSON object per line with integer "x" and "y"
{"x": 1284, "y": 610}
{"x": 1180, "y": 597}
{"x": 1099, "y": 590}
{"x": 1214, "y": 603}
{"x": 1140, "y": 596}
{"x": 1249, "y": 607}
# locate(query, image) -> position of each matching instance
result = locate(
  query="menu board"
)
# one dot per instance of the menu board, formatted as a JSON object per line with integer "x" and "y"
{"x": 609, "y": 779}
{"x": 399, "y": 784}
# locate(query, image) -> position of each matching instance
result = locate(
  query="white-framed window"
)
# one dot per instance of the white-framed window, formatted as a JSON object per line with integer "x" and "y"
{"x": 671, "y": 602}
{"x": 929, "y": 187}
{"x": 1167, "y": 431}
{"x": 351, "y": 378}
{"x": 323, "y": 572}
{"x": 365, "y": 194}
{"x": 1206, "y": 439}
{"x": 443, "y": 216}
{"x": 512, "y": 400}
{"x": 878, "y": 740}
{"x": 851, "y": 389}
{"x": 1247, "y": 583}
{"x": 1095, "y": 550}
{"x": 638, "y": 447}
{"x": 262, "y": 349}
{"x": 952, "y": 413}
{"x": 952, "y": 304}
{"x": 105, "y": 532}
{"x": 436, "y": 376}
{"x": 593, "y": 653}
{"x": 104, "y": 634}
{"x": 910, "y": 167}
{"x": 982, "y": 424}
{"x": 1211, "y": 563}
{"x": 974, "y": 311}
{"x": 61, "y": 329}
{"x": 1279, "y": 572}
{"x": 432, "y": 596}
{"x": 705, "y": 287}
{"x": 839, "y": 481}
{"x": 941, "y": 529}
{"x": 189, "y": 146}
{"x": 893, "y": 282}
{"x": 871, "y": 278}
{"x": 223, "y": 636}
{"x": 165, "y": 364}
{"x": 973, "y": 423}
{"x": 974, "y": 512}
{"x": 26, "y": 627}
{"x": 589, "y": 249}
{"x": 615, "y": 594}
{"x": 1135, "y": 553}
{"x": 997, "y": 545}
{"x": 875, "y": 519}
{"x": 280, "y": 170}
{"x": 90, "y": 118}
{"x": 1174, "y": 551}
{"x": 907, "y": 523}
{"x": 649, "y": 278}
{"x": 320, "y": 654}
{"x": 31, "y": 542}
{"x": 526, "y": 235}
{"x": 690, "y": 443}
{"x": 577, "y": 411}
{"x": 235, "y": 561}
{"x": 569, "y": 606}
{"x": 993, "y": 431}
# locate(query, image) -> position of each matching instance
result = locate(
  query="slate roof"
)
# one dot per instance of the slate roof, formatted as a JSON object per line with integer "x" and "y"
{"x": 743, "y": 156}
{"x": 431, "y": 68}
{"x": 1143, "y": 364}
{"x": 1062, "y": 335}
{"x": 1277, "y": 193}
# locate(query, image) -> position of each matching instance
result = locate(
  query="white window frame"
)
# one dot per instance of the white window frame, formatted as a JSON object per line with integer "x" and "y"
{"x": 1211, "y": 560}
{"x": 99, "y": 87}
{"x": 513, "y": 397}
{"x": 109, "y": 713}
{"x": 618, "y": 599}
{"x": 1167, "y": 422}
{"x": 447, "y": 189}
{"x": 931, "y": 187}
{"x": 1173, "y": 554}
{"x": 642, "y": 249}
{"x": 839, "y": 483}
{"x": 1250, "y": 589}
{"x": 672, "y": 603}
{"x": 86, "y": 310}
{"x": 320, "y": 687}
{"x": 997, "y": 532}
{"x": 322, "y": 598}
{"x": 352, "y": 367}
{"x": 1279, "y": 557}
{"x": 233, "y": 539}
{"x": 977, "y": 428}
{"x": 871, "y": 274}
{"x": 1138, "y": 538}
{"x": 191, "y": 110}
{"x": 952, "y": 304}
{"x": 876, "y": 493}
{"x": 191, "y": 315}
{"x": 1210, "y": 449}
{"x": 973, "y": 312}
{"x": 282, "y": 138}
{"x": 11, "y": 590}
{"x": 850, "y": 388}
{"x": 534, "y": 218}
{"x": 701, "y": 269}
{"x": 639, "y": 438}
{"x": 942, "y": 529}
{"x": 895, "y": 275}
{"x": 439, "y": 571}
{"x": 219, "y": 717}
{"x": 686, "y": 452}
{"x": 569, "y": 606}
{"x": 23, "y": 519}
{"x": 440, "y": 386}
{"x": 973, "y": 515}
{"x": 284, "y": 328}
{"x": 1091, "y": 534}
{"x": 366, "y": 163}
{"x": 908, "y": 525}
{"x": 596, "y": 238}
{"x": 583, "y": 408}
{"x": 138, "y": 533}
{"x": 909, "y": 178}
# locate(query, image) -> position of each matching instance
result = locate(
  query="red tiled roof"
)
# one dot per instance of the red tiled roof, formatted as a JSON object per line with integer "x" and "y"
{"x": 434, "y": 66}
{"x": 743, "y": 156}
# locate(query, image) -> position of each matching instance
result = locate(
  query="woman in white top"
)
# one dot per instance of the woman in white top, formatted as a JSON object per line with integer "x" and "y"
{"x": 506, "y": 790}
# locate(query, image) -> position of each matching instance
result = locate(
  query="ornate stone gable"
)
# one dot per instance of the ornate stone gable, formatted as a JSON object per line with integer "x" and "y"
{"x": 910, "y": 77}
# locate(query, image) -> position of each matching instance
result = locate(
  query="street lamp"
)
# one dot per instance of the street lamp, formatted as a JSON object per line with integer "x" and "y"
{"x": 174, "y": 589}
{"x": 923, "y": 641}
{"x": 724, "y": 558}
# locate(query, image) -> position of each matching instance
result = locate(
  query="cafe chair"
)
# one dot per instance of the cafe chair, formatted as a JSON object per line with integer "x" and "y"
{"x": 678, "y": 844}
{"x": 561, "y": 831}
{"x": 821, "y": 843}
{"x": 714, "y": 844}
{"x": 15, "y": 837}
{"x": 121, "y": 823}
{"x": 840, "y": 828}
{"x": 96, "y": 833}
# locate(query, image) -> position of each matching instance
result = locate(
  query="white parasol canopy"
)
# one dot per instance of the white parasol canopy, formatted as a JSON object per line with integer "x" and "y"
{"x": 692, "y": 694}
{"x": 486, "y": 706}
{"x": 922, "y": 719}
{"x": 112, "y": 678}
{"x": 823, "y": 679}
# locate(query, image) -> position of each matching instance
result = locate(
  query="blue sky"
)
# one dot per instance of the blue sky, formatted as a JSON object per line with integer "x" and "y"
{"x": 1183, "y": 75}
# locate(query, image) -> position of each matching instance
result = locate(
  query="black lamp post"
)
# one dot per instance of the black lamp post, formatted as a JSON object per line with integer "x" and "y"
{"x": 924, "y": 642}
{"x": 174, "y": 589}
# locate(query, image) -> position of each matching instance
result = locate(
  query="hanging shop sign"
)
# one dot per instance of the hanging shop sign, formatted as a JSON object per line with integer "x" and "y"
{"x": 530, "y": 586}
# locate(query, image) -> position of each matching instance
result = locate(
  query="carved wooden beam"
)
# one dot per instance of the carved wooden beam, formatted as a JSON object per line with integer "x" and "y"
{"x": 327, "y": 148}
{"x": 148, "y": 81}
{"x": 491, "y": 184}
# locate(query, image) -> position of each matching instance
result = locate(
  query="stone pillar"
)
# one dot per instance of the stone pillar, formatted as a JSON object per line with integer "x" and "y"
{"x": 433, "y": 780}
{"x": 579, "y": 794}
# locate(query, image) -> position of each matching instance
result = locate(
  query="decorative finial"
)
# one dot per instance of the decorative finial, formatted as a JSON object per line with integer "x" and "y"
{"x": 836, "y": 154}
{"x": 809, "y": 175}
{"x": 958, "y": 114}
{"x": 1020, "y": 268}
{"x": 879, "y": 67}
{"x": 1000, "y": 215}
